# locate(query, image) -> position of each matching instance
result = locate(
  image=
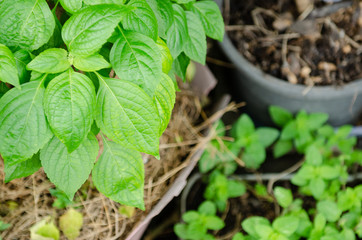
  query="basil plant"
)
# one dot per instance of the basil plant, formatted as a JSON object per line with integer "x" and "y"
{"x": 71, "y": 69}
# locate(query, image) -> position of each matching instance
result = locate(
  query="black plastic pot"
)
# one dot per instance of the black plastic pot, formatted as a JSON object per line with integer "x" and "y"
{"x": 260, "y": 90}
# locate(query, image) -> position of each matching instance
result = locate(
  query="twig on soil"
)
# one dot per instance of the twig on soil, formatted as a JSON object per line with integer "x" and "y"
{"x": 286, "y": 172}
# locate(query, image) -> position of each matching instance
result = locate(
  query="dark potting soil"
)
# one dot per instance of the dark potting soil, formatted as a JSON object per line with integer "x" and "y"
{"x": 318, "y": 44}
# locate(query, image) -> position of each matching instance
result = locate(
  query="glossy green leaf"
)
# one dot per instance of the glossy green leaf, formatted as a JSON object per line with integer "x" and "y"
{"x": 316, "y": 120}
{"x": 282, "y": 147}
{"x": 329, "y": 210}
{"x": 53, "y": 60}
{"x": 27, "y": 24}
{"x": 90, "y": 63}
{"x": 180, "y": 65}
{"x": 142, "y": 19}
{"x": 22, "y": 58}
{"x": 68, "y": 171}
{"x": 8, "y": 68}
{"x": 164, "y": 15}
{"x": 251, "y": 225}
{"x": 96, "y": 2}
{"x": 165, "y": 98}
{"x": 267, "y": 135}
{"x": 243, "y": 127}
{"x": 166, "y": 57}
{"x": 235, "y": 188}
{"x": 69, "y": 103}
{"x": 177, "y": 34}
{"x": 127, "y": 115}
{"x": 87, "y": 30}
{"x": 23, "y": 125}
{"x": 284, "y": 196}
{"x": 207, "y": 208}
{"x": 317, "y": 187}
{"x": 135, "y": 57}
{"x": 195, "y": 48}
{"x": 190, "y": 216}
{"x": 280, "y": 116}
{"x": 214, "y": 223}
{"x": 286, "y": 225}
{"x": 254, "y": 155}
{"x": 313, "y": 156}
{"x": 183, "y": 1}
{"x": 211, "y": 18}
{"x": 119, "y": 175}
{"x": 71, "y": 6}
{"x": 289, "y": 132}
{"x": 330, "y": 172}
{"x": 22, "y": 169}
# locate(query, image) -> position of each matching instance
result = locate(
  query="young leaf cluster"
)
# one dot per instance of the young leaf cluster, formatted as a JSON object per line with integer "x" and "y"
{"x": 103, "y": 66}
{"x": 328, "y": 155}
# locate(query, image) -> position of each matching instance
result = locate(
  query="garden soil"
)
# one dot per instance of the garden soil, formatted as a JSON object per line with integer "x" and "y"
{"x": 311, "y": 42}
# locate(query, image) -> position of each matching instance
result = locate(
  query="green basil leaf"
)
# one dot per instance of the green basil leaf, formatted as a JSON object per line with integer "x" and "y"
{"x": 69, "y": 103}
{"x": 313, "y": 156}
{"x": 235, "y": 188}
{"x": 142, "y": 19}
{"x": 289, "y": 132}
{"x": 330, "y": 172}
{"x": 190, "y": 216}
{"x": 87, "y": 30}
{"x": 166, "y": 13}
{"x": 119, "y": 175}
{"x": 180, "y": 65}
{"x": 207, "y": 208}
{"x": 195, "y": 48}
{"x": 71, "y": 6}
{"x": 163, "y": 12}
{"x": 165, "y": 98}
{"x": 127, "y": 115}
{"x": 280, "y": 116}
{"x": 183, "y": 1}
{"x": 284, "y": 196}
{"x": 22, "y": 58}
{"x": 254, "y": 155}
{"x": 243, "y": 127}
{"x": 23, "y": 125}
{"x": 136, "y": 58}
{"x": 27, "y": 24}
{"x": 251, "y": 224}
{"x": 68, "y": 171}
{"x": 53, "y": 60}
{"x": 286, "y": 225}
{"x": 316, "y": 120}
{"x": 22, "y": 169}
{"x": 317, "y": 187}
{"x": 329, "y": 210}
{"x": 90, "y": 63}
{"x": 96, "y": 2}
{"x": 282, "y": 147}
{"x": 166, "y": 57}
{"x": 214, "y": 223}
{"x": 8, "y": 68}
{"x": 211, "y": 18}
{"x": 267, "y": 135}
{"x": 177, "y": 34}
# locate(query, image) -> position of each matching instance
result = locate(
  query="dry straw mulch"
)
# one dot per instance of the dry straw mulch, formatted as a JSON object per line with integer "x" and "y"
{"x": 101, "y": 217}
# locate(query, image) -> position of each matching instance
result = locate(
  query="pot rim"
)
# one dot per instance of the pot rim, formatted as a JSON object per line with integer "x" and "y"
{"x": 281, "y": 85}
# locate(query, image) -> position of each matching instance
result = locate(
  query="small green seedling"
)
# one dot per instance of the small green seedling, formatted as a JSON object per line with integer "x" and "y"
{"x": 316, "y": 174}
{"x": 220, "y": 189}
{"x": 197, "y": 223}
{"x": 298, "y": 132}
{"x": 252, "y": 141}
